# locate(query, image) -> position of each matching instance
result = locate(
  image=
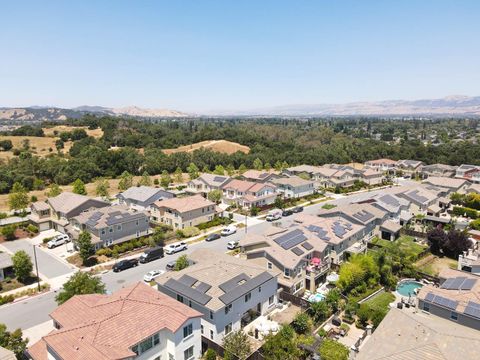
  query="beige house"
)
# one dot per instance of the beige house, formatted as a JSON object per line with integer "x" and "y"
{"x": 182, "y": 212}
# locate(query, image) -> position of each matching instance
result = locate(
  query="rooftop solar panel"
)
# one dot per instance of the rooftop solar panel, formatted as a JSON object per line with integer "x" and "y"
{"x": 472, "y": 311}
{"x": 203, "y": 287}
{"x": 291, "y": 239}
{"x": 233, "y": 282}
{"x": 390, "y": 200}
{"x": 447, "y": 283}
{"x": 338, "y": 230}
{"x": 363, "y": 215}
{"x": 457, "y": 282}
{"x": 430, "y": 296}
{"x": 307, "y": 246}
{"x": 263, "y": 175}
{"x": 246, "y": 287}
{"x": 474, "y": 304}
{"x": 219, "y": 178}
{"x": 297, "y": 251}
{"x": 187, "y": 280}
{"x": 416, "y": 196}
{"x": 187, "y": 291}
{"x": 468, "y": 284}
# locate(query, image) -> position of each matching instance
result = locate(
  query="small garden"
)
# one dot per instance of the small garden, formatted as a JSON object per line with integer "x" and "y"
{"x": 17, "y": 231}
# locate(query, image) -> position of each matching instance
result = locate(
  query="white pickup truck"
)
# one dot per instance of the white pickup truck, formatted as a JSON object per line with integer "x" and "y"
{"x": 273, "y": 215}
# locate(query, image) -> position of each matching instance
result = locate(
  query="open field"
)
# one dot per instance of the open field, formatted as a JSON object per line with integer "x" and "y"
{"x": 222, "y": 146}
{"x": 50, "y": 131}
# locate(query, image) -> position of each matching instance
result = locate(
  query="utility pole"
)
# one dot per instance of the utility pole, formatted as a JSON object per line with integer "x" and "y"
{"x": 36, "y": 266}
{"x": 245, "y": 223}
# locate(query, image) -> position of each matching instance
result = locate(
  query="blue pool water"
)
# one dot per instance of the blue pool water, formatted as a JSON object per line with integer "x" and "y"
{"x": 406, "y": 288}
{"x": 316, "y": 298}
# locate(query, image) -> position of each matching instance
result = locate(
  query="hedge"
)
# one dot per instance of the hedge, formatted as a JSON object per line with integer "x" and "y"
{"x": 462, "y": 211}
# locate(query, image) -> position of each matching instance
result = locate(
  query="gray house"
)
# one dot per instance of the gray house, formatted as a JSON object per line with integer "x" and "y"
{"x": 111, "y": 225}
{"x": 228, "y": 291}
{"x": 294, "y": 186}
{"x": 6, "y": 265}
{"x": 142, "y": 197}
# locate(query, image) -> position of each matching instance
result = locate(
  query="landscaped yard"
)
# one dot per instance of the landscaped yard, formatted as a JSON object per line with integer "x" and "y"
{"x": 405, "y": 244}
{"x": 380, "y": 301}
{"x": 432, "y": 264}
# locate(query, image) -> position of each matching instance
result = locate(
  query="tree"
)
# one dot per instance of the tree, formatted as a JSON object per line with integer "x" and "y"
{"x": 192, "y": 170}
{"x": 278, "y": 165}
{"x": 332, "y": 299}
{"x": 22, "y": 265}
{"x": 219, "y": 170}
{"x": 165, "y": 179}
{"x": 279, "y": 203}
{"x": 181, "y": 263}
{"x": 145, "y": 180}
{"x": 267, "y": 166}
{"x": 80, "y": 283}
{"x": 215, "y": 195}
{"x": 54, "y": 190}
{"x": 457, "y": 242}
{"x": 284, "y": 165}
{"x": 238, "y": 344}
{"x": 333, "y": 350}
{"x": 13, "y": 341}
{"x": 8, "y": 231}
{"x": 85, "y": 246}
{"x": 79, "y": 187}
{"x": 18, "y": 197}
{"x": 101, "y": 188}
{"x": 126, "y": 181}
{"x": 281, "y": 346}
{"x": 158, "y": 236}
{"x": 242, "y": 168}
{"x": 257, "y": 164}
{"x": 302, "y": 324}
{"x": 319, "y": 311}
{"x": 206, "y": 169}
{"x": 210, "y": 354}
{"x": 6, "y": 145}
{"x": 230, "y": 170}
{"x": 178, "y": 175}
{"x": 437, "y": 239}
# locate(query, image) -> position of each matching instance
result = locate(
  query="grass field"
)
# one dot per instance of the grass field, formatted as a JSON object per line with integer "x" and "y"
{"x": 50, "y": 131}
{"x": 405, "y": 244}
{"x": 222, "y": 146}
{"x": 433, "y": 264}
{"x": 380, "y": 301}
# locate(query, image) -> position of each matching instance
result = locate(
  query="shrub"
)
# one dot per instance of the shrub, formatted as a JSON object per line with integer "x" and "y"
{"x": 210, "y": 354}
{"x": 47, "y": 239}
{"x": 32, "y": 228}
{"x": 9, "y": 232}
{"x": 302, "y": 323}
{"x": 6, "y": 299}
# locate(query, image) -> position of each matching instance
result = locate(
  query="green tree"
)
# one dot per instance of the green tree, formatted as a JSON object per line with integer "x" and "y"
{"x": 22, "y": 265}
{"x": 192, "y": 170}
{"x": 101, "y": 188}
{"x": 230, "y": 170}
{"x": 215, "y": 195}
{"x": 178, "y": 175}
{"x": 219, "y": 170}
{"x": 126, "y": 181}
{"x": 18, "y": 197}
{"x": 278, "y": 165}
{"x": 206, "y": 169}
{"x": 158, "y": 236}
{"x": 267, "y": 166}
{"x": 279, "y": 203}
{"x": 210, "y": 354}
{"x": 145, "y": 180}
{"x": 242, "y": 168}
{"x": 333, "y": 350}
{"x": 281, "y": 346}
{"x": 257, "y": 164}
{"x": 85, "y": 246}
{"x": 165, "y": 179}
{"x": 284, "y": 165}
{"x": 8, "y": 231}
{"x": 319, "y": 311}
{"x": 80, "y": 283}
{"x": 181, "y": 263}
{"x": 333, "y": 299}
{"x": 54, "y": 190}
{"x": 13, "y": 341}
{"x": 79, "y": 187}
{"x": 302, "y": 324}
{"x": 238, "y": 344}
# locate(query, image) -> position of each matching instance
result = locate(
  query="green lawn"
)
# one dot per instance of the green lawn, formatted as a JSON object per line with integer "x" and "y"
{"x": 380, "y": 301}
{"x": 405, "y": 244}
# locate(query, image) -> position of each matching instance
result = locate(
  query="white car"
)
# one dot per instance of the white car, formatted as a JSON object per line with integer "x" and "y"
{"x": 58, "y": 240}
{"x": 152, "y": 275}
{"x": 229, "y": 230}
{"x": 232, "y": 245}
{"x": 176, "y": 247}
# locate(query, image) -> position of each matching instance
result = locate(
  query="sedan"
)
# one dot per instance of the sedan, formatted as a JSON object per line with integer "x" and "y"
{"x": 125, "y": 264}
{"x": 287, "y": 212}
{"x": 212, "y": 237}
{"x": 297, "y": 209}
{"x": 152, "y": 275}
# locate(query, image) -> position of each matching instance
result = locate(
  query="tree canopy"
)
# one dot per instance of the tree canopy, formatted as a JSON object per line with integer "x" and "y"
{"x": 80, "y": 283}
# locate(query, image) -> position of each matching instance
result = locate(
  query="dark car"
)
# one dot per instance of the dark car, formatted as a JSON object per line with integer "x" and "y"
{"x": 125, "y": 264}
{"x": 287, "y": 212}
{"x": 297, "y": 209}
{"x": 212, "y": 237}
{"x": 151, "y": 254}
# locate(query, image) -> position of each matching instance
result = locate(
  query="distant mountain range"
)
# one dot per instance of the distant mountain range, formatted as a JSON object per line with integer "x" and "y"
{"x": 39, "y": 113}
{"x": 451, "y": 105}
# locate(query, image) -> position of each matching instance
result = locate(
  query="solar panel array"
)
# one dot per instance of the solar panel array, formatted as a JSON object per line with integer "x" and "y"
{"x": 187, "y": 291}
{"x": 442, "y": 301}
{"x": 219, "y": 179}
{"x": 321, "y": 233}
{"x": 390, "y": 200}
{"x": 291, "y": 239}
{"x": 338, "y": 229}
{"x": 458, "y": 283}
{"x": 244, "y": 288}
{"x": 233, "y": 282}
{"x": 307, "y": 246}
{"x": 263, "y": 175}
{"x": 363, "y": 215}
{"x": 297, "y": 251}
{"x": 416, "y": 196}
{"x": 473, "y": 309}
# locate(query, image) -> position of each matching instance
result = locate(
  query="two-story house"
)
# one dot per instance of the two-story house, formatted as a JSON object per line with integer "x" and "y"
{"x": 441, "y": 170}
{"x": 56, "y": 212}
{"x": 385, "y": 165}
{"x": 248, "y": 194}
{"x": 260, "y": 176}
{"x": 453, "y": 185}
{"x": 294, "y": 186}
{"x": 206, "y": 183}
{"x": 182, "y": 212}
{"x": 134, "y": 323}
{"x": 142, "y": 197}
{"x": 111, "y": 225}
{"x": 410, "y": 167}
{"x": 229, "y": 292}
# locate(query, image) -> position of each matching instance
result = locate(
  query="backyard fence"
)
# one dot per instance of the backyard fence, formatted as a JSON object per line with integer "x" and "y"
{"x": 209, "y": 344}
{"x": 295, "y": 300}
{"x": 411, "y": 232}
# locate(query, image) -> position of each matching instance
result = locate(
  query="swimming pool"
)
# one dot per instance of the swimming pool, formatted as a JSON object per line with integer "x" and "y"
{"x": 407, "y": 287}
{"x": 316, "y": 297}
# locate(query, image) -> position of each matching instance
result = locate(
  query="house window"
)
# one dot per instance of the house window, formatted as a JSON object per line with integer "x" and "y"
{"x": 187, "y": 330}
{"x": 454, "y": 316}
{"x": 228, "y": 308}
{"x": 156, "y": 339}
{"x": 189, "y": 303}
{"x": 211, "y": 315}
{"x": 271, "y": 300}
{"x": 145, "y": 345}
{"x": 180, "y": 298}
{"x": 228, "y": 329}
{"x": 426, "y": 307}
{"x": 201, "y": 329}
{"x": 259, "y": 289}
{"x": 211, "y": 334}
{"x": 269, "y": 265}
{"x": 188, "y": 354}
{"x": 103, "y": 232}
{"x": 286, "y": 272}
{"x": 110, "y": 229}
{"x": 119, "y": 227}
{"x": 248, "y": 297}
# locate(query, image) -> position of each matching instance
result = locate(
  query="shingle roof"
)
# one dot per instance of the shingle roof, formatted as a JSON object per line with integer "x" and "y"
{"x": 107, "y": 326}
{"x": 67, "y": 201}
{"x": 362, "y": 213}
{"x": 391, "y": 226}
{"x": 140, "y": 193}
{"x": 185, "y": 204}
{"x": 5, "y": 260}
{"x": 213, "y": 180}
{"x": 292, "y": 181}
{"x": 381, "y": 162}
{"x": 445, "y": 182}
{"x": 109, "y": 216}
{"x": 257, "y": 174}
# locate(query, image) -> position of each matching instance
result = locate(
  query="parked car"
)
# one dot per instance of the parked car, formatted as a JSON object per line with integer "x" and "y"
{"x": 152, "y": 275}
{"x": 176, "y": 247}
{"x": 125, "y": 264}
{"x": 58, "y": 240}
{"x": 232, "y": 245}
{"x": 274, "y": 214}
{"x": 287, "y": 212}
{"x": 171, "y": 265}
{"x": 297, "y": 209}
{"x": 212, "y": 237}
{"x": 229, "y": 230}
{"x": 151, "y": 254}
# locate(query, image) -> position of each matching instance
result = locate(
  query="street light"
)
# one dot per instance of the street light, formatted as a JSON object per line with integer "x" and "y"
{"x": 36, "y": 266}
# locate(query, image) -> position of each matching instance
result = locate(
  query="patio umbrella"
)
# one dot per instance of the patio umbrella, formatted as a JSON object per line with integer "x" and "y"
{"x": 316, "y": 261}
{"x": 333, "y": 277}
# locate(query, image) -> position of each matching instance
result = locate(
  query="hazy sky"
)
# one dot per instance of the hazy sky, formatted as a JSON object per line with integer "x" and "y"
{"x": 229, "y": 54}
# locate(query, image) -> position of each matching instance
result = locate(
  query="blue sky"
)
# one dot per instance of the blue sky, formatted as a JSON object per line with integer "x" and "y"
{"x": 204, "y": 55}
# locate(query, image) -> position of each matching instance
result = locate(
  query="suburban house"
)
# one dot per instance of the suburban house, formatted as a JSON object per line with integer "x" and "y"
{"x": 420, "y": 199}
{"x": 418, "y": 335}
{"x": 6, "y": 266}
{"x": 303, "y": 170}
{"x": 259, "y": 176}
{"x": 371, "y": 176}
{"x": 383, "y": 165}
{"x": 453, "y": 185}
{"x": 142, "y": 197}
{"x": 206, "y": 183}
{"x": 456, "y": 299}
{"x": 441, "y": 170}
{"x": 136, "y": 322}
{"x": 248, "y": 194}
{"x": 56, "y": 212}
{"x": 294, "y": 186}
{"x": 110, "y": 225}
{"x": 183, "y": 212}
{"x": 470, "y": 260}
{"x": 409, "y": 167}
{"x": 468, "y": 172}
{"x": 472, "y": 188}
{"x": 229, "y": 292}
{"x": 396, "y": 207}
{"x": 290, "y": 251}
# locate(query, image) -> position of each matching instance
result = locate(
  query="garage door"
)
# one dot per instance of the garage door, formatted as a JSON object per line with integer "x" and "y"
{"x": 44, "y": 226}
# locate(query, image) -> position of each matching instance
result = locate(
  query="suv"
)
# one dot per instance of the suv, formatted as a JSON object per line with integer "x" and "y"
{"x": 287, "y": 212}
{"x": 229, "y": 230}
{"x": 125, "y": 264}
{"x": 151, "y": 254}
{"x": 171, "y": 265}
{"x": 212, "y": 237}
{"x": 232, "y": 245}
{"x": 174, "y": 248}
{"x": 58, "y": 240}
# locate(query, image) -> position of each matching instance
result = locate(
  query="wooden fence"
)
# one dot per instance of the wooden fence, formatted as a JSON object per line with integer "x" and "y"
{"x": 295, "y": 300}
{"x": 411, "y": 232}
